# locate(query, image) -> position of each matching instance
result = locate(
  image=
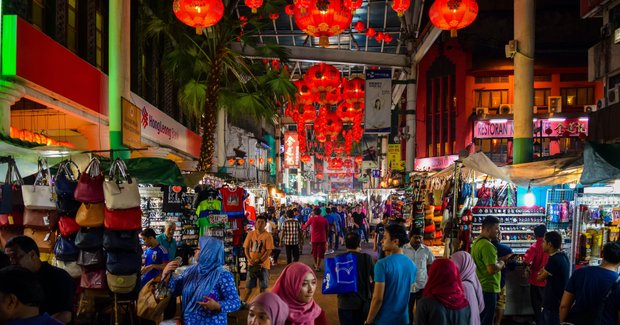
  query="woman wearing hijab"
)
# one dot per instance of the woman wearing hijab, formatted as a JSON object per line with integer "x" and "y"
{"x": 296, "y": 286}
{"x": 471, "y": 284}
{"x": 208, "y": 291}
{"x": 444, "y": 301}
{"x": 267, "y": 309}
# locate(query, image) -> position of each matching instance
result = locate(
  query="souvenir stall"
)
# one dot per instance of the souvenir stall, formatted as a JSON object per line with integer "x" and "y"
{"x": 256, "y": 203}
{"x": 378, "y": 204}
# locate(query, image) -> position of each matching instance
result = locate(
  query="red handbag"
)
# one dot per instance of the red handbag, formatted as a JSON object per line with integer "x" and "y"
{"x": 12, "y": 219}
{"x": 42, "y": 219}
{"x": 90, "y": 185}
{"x": 93, "y": 280}
{"x": 67, "y": 226}
{"x": 126, "y": 219}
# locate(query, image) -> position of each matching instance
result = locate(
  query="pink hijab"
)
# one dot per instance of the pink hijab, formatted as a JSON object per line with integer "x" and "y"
{"x": 471, "y": 284}
{"x": 273, "y": 306}
{"x": 287, "y": 287}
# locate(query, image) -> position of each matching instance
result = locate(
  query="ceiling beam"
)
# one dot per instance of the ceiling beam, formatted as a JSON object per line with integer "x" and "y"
{"x": 334, "y": 56}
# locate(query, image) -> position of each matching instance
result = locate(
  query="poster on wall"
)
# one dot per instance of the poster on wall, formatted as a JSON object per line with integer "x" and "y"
{"x": 131, "y": 133}
{"x": 394, "y": 157}
{"x": 291, "y": 150}
{"x": 378, "y": 101}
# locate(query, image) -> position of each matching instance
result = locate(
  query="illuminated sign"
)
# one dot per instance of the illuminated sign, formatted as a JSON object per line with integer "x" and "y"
{"x": 291, "y": 150}
{"x": 434, "y": 163}
{"x": 546, "y": 128}
{"x": 131, "y": 131}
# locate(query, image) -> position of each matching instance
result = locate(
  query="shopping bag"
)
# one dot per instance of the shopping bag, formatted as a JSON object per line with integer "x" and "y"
{"x": 14, "y": 218}
{"x": 90, "y": 215}
{"x": 120, "y": 189}
{"x": 121, "y": 283}
{"x": 127, "y": 219}
{"x": 67, "y": 226}
{"x": 11, "y": 191}
{"x": 45, "y": 239}
{"x": 151, "y": 304}
{"x": 89, "y": 238}
{"x": 65, "y": 249}
{"x": 89, "y": 188}
{"x": 42, "y": 219}
{"x": 121, "y": 241}
{"x": 122, "y": 263}
{"x": 93, "y": 280}
{"x": 40, "y": 195}
{"x": 340, "y": 274}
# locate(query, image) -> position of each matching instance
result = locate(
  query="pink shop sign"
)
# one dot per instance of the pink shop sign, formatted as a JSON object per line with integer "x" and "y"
{"x": 547, "y": 128}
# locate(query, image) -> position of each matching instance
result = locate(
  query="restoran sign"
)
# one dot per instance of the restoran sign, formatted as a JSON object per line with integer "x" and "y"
{"x": 547, "y": 128}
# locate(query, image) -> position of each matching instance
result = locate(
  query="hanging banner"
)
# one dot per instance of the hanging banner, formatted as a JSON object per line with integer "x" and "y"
{"x": 394, "y": 159}
{"x": 309, "y": 166}
{"x": 378, "y": 101}
{"x": 291, "y": 150}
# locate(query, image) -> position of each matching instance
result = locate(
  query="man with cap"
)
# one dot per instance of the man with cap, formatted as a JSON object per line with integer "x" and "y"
{"x": 535, "y": 260}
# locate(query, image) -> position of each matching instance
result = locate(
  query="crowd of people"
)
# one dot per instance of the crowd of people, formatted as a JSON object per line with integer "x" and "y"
{"x": 404, "y": 283}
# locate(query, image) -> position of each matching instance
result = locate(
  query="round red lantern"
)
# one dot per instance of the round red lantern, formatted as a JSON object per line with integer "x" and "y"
{"x": 388, "y": 38}
{"x": 320, "y": 137}
{"x": 353, "y": 5}
{"x": 379, "y": 37}
{"x": 270, "y": 160}
{"x": 322, "y": 79}
{"x": 254, "y": 4}
{"x": 319, "y": 175}
{"x": 359, "y": 159}
{"x": 400, "y": 6}
{"x": 307, "y": 113}
{"x": 274, "y": 15}
{"x": 331, "y": 98}
{"x": 289, "y": 10}
{"x": 304, "y": 94}
{"x": 345, "y": 112}
{"x": 359, "y": 26}
{"x": 231, "y": 161}
{"x": 305, "y": 158}
{"x": 333, "y": 124}
{"x": 251, "y": 161}
{"x": 370, "y": 32}
{"x": 198, "y": 14}
{"x": 348, "y": 163}
{"x": 353, "y": 90}
{"x": 241, "y": 161}
{"x": 332, "y": 19}
{"x": 453, "y": 14}
{"x": 261, "y": 160}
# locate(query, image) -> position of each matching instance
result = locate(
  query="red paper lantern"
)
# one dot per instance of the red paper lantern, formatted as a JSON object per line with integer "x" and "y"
{"x": 370, "y": 32}
{"x": 251, "y": 161}
{"x": 289, "y": 10}
{"x": 274, "y": 15}
{"x": 348, "y": 163}
{"x": 388, "y": 38}
{"x": 352, "y": 5}
{"x": 359, "y": 26}
{"x": 244, "y": 21}
{"x": 379, "y": 37}
{"x": 304, "y": 94}
{"x": 359, "y": 159}
{"x": 333, "y": 124}
{"x": 345, "y": 112}
{"x": 303, "y": 5}
{"x": 400, "y": 6}
{"x": 453, "y": 14}
{"x": 305, "y": 158}
{"x": 231, "y": 161}
{"x": 322, "y": 79}
{"x": 261, "y": 160}
{"x": 353, "y": 92}
{"x": 319, "y": 175}
{"x": 331, "y": 21}
{"x": 254, "y": 4}
{"x": 270, "y": 160}
{"x": 198, "y": 14}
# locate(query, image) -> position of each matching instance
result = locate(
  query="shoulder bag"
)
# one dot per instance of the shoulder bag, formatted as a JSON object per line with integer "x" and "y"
{"x": 89, "y": 188}
{"x": 127, "y": 219}
{"x": 122, "y": 241}
{"x": 42, "y": 219}
{"x": 74, "y": 270}
{"x": 121, "y": 283}
{"x": 65, "y": 249}
{"x": 45, "y": 239}
{"x": 11, "y": 191}
{"x": 66, "y": 181}
{"x": 90, "y": 215}
{"x": 40, "y": 195}
{"x": 120, "y": 191}
{"x": 67, "y": 226}
{"x": 89, "y": 238}
{"x": 13, "y": 218}
{"x": 93, "y": 280}
{"x": 340, "y": 274}
{"x": 122, "y": 263}
{"x": 151, "y": 304}
{"x": 93, "y": 259}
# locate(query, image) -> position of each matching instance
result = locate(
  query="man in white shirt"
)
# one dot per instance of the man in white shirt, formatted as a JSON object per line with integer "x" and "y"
{"x": 422, "y": 257}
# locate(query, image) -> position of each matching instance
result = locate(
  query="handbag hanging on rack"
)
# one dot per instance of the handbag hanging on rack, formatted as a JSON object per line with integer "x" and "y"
{"x": 120, "y": 191}
{"x": 11, "y": 192}
{"x": 45, "y": 239}
{"x": 65, "y": 184}
{"x": 127, "y": 219}
{"x": 90, "y": 215}
{"x": 89, "y": 188}
{"x": 67, "y": 226}
{"x": 41, "y": 219}
{"x": 40, "y": 195}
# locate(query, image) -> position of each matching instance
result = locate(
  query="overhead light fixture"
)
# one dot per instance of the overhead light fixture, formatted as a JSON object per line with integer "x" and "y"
{"x": 498, "y": 120}
{"x": 53, "y": 151}
{"x": 557, "y": 119}
{"x": 529, "y": 199}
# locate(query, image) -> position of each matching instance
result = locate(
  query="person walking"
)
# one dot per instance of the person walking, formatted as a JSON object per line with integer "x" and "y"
{"x": 488, "y": 267}
{"x": 422, "y": 257}
{"x": 358, "y": 222}
{"x": 379, "y": 230}
{"x": 353, "y": 307}
{"x": 296, "y": 287}
{"x": 394, "y": 277}
{"x": 318, "y": 237}
{"x": 504, "y": 253}
{"x": 257, "y": 248}
{"x": 332, "y": 218}
{"x": 535, "y": 260}
{"x": 444, "y": 300}
{"x": 471, "y": 285}
{"x": 556, "y": 274}
{"x": 290, "y": 236}
{"x": 268, "y": 309}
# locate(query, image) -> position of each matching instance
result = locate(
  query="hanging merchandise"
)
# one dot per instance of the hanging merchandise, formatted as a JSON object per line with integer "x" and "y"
{"x": 232, "y": 200}
{"x": 41, "y": 219}
{"x": 65, "y": 249}
{"x": 90, "y": 184}
{"x": 120, "y": 190}
{"x": 45, "y": 239}
{"x": 123, "y": 241}
{"x": 11, "y": 200}
{"x": 126, "y": 219}
{"x": 90, "y": 215}
{"x": 40, "y": 195}
{"x": 65, "y": 184}
{"x": 68, "y": 226}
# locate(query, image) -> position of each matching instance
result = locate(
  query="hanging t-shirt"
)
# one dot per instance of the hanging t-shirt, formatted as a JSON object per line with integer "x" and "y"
{"x": 172, "y": 198}
{"x": 250, "y": 212}
{"x": 208, "y": 207}
{"x": 232, "y": 201}
{"x": 204, "y": 192}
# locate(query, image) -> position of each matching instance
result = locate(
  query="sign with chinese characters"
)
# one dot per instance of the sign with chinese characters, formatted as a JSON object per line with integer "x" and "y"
{"x": 434, "y": 163}
{"x": 130, "y": 130}
{"x": 546, "y": 128}
{"x": 394, "y": 158}
{"x": 378, "y": 101}
{"x": 291, "y": 150}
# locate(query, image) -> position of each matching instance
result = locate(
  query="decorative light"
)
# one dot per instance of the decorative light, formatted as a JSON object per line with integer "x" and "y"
{"x": 305, "y": 158}
{"x": 270, "y": 160}
{"x": 379, "y": 37}
{"x": 319, "y": 175}
{"x": 400, "y": 6}
{"x": 453, "y": 15}
{"x": 261, "y": 160}
{"x": 529, "y": 199}
{"x": 198, "y": 14}
{"x": 254, "y": 4}
{"x": 274, "y": 15}
{"x": 241, "y": 162}
{"x": 359, "y": 159}
{"x": 352, "y": 5}
{"x": 325, "y": 19}
{"x": 353, "y": 93}
{"x": 359, "y": 26}
{"x": 231, "y": 161}
{"x": 370, "y": 32}
{"x": 388, "y": 38}
{"x": 289, "y": 10}
{"x": 251, "y": 161}
{"x": 322, "y": 79}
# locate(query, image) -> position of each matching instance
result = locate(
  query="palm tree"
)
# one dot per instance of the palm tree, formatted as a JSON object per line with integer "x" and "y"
{"x": 211, "y": 76}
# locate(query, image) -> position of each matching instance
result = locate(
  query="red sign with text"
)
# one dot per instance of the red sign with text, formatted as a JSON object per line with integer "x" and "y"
{"x": 291, "y": 150}
{"x": 546, "y": 128}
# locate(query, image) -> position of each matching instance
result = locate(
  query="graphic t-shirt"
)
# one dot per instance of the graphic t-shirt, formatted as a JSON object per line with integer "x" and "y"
{"x": 156, "y": 255}
{"x": 484, "y": 253}
{"x": 258, "y": 244}
{"x": 208, "y": 207}
{"x": 558, "y": 266}
{"x": 590, "y": 284}
{"x": 232, "y": 201}
{"x": 398, "y": 273}
{"x": 250, "y": 212}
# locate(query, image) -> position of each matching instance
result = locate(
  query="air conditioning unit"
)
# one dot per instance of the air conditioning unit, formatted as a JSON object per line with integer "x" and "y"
{"x": 590, "y": 108}
{"x": 535, "y": 110}
{"x": 601, "y": 103}
{"x": 555, "y": 104}
{"x": 511, "y": 49}
{"x": 482, "y": 111}
{"x": 613, "y": 95}
{"x": 505, "y": 109}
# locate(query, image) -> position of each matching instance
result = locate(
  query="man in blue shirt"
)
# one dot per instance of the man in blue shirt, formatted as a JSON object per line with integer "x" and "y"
{"x": 333, "y": 219}
{"x": 156, "y": 256}
{"x": 394, "y": 278}
{"x": 166, "y": 239}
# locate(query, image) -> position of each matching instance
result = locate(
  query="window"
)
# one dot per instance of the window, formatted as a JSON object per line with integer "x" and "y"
{"x": 441, "y": 116}
{"x": 38, "y": 14}
{"x": 491, "y": 98}
{"x": 491, "y": 80}
{"x": 573, "y": 97}
{"x": 540, "y": 96}
{"x": 99, "y": 39}
{"x": 573, "y": 77}
{"x": 544, "y": 77}
{"x": 72, "y": 26}
{"x": 495, "y": 149}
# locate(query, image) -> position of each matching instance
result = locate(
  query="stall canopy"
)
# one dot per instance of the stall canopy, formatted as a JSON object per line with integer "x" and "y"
{"x": 601, "y": 163}
{"x": 478, "y": 162}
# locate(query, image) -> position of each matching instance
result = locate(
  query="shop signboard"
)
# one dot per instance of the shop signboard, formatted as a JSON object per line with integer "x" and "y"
{"x": 547, "y": 128}
{"x": 378, "y": 101}
{"x": 376, "y": 173}
{"x": 434, "y": 163}
{"x": 394, "y": 157}
{"x": 291, "y": 149}
{"x": 131, "y": 133}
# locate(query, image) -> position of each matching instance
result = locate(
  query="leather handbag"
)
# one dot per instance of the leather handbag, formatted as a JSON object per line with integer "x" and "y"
{"x": 66, "y": 181}
{"x": 67, "y": 226}
{"x": 42, "y": 219}
{"x": 90, "y": 215}
{"x": 40, "y": 195}
{"x": 121, "y": 283}
{"x": 89, "y": 238}
{"x": 150, "y": 304}
{"x": 122, "y": 263}
{"x": 12, "y": 219}
{"x": 94, "y": 259}
{"x": 121, "y": 241}
{"x": 67, "y": 205}
{"x": 11, "y": 191}
{"x": 120, "y": 189}
{"x": 93, "y": 280}
{"x": 74, "y": 270}
{"x": 7, "y": 233}
{"x": 65, "y": 249}
{"x": 89, "y": 188}
{"x": 45, "y": 239}
{"x": 128, "y": 219}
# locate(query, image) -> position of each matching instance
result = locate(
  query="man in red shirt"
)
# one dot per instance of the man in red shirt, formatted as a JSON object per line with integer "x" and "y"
{"x": 535, "y": 260}
{"x": 318, "y": 236}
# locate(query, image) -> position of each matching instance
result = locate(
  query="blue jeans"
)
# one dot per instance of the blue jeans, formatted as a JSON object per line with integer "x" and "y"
{"x": 551, "y": 317}
{"x": 490, "y": 302}
{"x": 263, "y": 278}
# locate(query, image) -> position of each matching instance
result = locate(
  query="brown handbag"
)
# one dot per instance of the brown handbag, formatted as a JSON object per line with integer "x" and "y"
{"x": 7, "y": 233}
{"x": 41, "y": 219}
{"x": 45, "y": 239}
{"x": 150, "y": 304}
{"x": 90, "y": 215}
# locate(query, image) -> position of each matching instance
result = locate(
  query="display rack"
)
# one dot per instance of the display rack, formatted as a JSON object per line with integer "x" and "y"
{"x": 560, "y": 204}
{"x": 151, "y": 203}
{"x": 516, "y": 224}
{"x": 596, "y": 221}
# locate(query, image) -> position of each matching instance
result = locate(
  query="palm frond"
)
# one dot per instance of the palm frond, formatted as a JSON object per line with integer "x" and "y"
{"x": 192, "y": 97}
